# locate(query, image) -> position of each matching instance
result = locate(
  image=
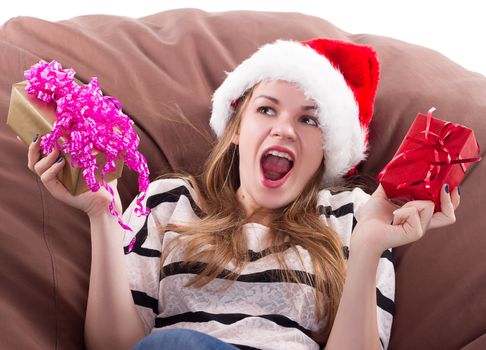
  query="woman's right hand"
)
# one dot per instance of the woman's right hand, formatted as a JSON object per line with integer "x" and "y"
{"x": 47, "y": 168}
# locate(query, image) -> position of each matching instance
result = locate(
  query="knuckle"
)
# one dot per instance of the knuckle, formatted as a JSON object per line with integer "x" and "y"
{"x": 30, "y": 162}
{"x": 45, "y": 177}
{"x": 419, "y": 232}
{"x": 414, "y": 235}
{"x": 457, "y": 202}
{"x": 36, "y": 168}
{"x": 407, "y": 205}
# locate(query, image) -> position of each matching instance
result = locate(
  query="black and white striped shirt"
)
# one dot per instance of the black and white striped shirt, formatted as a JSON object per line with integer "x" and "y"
{"x": 257, "y": 311}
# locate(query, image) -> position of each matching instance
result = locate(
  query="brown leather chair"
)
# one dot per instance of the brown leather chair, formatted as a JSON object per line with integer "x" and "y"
{"x": 178, "y": 58}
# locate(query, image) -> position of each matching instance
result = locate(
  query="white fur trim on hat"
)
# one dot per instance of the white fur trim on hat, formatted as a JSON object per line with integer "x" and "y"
{"x": 344, "y": 140}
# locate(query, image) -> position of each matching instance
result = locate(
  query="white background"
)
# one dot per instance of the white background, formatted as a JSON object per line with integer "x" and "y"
{"x": 454, "y": 28}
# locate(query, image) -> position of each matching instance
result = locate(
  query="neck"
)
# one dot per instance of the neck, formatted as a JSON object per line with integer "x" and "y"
{"x": 254, "y": 213}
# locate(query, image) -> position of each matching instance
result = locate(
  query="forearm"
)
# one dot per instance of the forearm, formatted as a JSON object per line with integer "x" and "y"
{"x": 112, "y": 321}
{"x": 355, "y": 326}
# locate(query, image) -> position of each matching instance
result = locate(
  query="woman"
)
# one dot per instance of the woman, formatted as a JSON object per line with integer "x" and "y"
{"x": 253, "y": 254}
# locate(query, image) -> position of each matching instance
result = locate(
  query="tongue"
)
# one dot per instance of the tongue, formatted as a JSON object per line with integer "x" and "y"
{"x": 274, "y": 168}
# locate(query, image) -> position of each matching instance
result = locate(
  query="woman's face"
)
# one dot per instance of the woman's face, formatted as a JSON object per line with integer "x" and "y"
{"x": 280, "y": 145}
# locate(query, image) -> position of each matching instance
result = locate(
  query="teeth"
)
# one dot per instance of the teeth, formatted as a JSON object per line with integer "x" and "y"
{"x": 280, "y": 154}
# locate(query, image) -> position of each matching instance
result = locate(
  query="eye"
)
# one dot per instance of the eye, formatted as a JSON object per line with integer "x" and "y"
{"x": 310, "y": 120}
{"x": 266, "y": 110}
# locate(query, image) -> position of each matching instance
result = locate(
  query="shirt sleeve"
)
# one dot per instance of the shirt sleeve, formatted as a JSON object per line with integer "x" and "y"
{"x": 339, "y": 210}
{"x": 168, "y": 200}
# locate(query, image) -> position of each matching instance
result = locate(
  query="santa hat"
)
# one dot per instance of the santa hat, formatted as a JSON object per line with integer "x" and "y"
{"x": 340, "y": 77}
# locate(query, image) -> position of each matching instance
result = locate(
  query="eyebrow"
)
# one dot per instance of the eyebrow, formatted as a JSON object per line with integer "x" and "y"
{"x": 276, "y": 101}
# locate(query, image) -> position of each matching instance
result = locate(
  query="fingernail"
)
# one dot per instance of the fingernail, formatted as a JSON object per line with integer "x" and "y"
{"x": 459, "y": 190}
{"x": 59, "y": 160}
{"x": 35, "y": 138}
{"x": 446, "y": 188}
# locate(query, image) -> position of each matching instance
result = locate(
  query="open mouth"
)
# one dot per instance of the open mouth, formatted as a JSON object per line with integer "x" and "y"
{"x": 275, "y": 165}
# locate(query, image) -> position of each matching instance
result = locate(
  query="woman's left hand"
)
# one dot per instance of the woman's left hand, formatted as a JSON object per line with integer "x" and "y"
{"x": 384, "y": 225}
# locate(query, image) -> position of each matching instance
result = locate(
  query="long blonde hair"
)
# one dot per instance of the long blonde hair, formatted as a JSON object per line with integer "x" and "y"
{"x": 217, "y": 239}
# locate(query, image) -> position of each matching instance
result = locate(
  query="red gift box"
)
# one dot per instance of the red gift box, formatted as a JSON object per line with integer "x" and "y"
{"x": 433, "y": 153}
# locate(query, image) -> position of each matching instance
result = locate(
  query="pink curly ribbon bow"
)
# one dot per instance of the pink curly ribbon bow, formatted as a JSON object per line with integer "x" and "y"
{"x": 89, "y": 123}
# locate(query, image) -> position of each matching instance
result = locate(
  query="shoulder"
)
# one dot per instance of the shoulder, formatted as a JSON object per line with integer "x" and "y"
{"x": 171, "y": 201}
{"x": 170, "y": 185}
{"x": 170, "y": 190}
{"x": 337, "y": 209}
{"x": 167, "y": 199}
{"x": 352, "y": 199}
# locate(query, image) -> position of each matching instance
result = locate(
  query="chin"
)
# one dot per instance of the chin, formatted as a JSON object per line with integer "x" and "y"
{"x": 274, "y": 203}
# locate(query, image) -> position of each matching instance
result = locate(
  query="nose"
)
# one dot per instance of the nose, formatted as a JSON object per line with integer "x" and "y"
{"x": 283, "y": 128}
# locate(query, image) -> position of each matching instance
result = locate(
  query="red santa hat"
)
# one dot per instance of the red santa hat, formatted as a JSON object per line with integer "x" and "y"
{"x": 340, "y": 77}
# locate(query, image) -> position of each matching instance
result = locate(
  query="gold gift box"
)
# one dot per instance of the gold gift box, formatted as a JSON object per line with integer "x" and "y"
{"x": 28, "y": 116}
